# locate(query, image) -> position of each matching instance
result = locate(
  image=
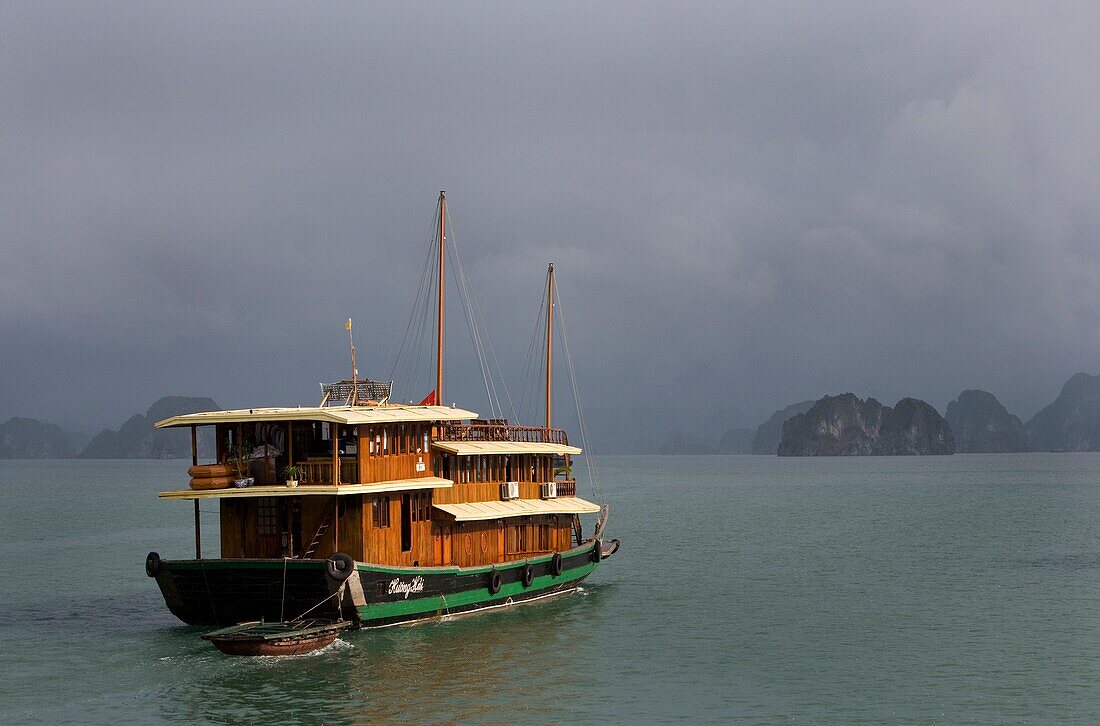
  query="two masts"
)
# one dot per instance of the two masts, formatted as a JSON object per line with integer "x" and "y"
{"x": 397, "y": 513}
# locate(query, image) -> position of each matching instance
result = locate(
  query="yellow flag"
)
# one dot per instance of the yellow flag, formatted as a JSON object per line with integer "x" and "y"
{"x": 348, "y": 325}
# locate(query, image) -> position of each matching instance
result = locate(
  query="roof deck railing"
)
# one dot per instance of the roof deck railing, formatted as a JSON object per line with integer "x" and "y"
{"x": 493, "y": 431}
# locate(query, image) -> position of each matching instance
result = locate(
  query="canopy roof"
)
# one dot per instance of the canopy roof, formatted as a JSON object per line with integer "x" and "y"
{"x": 472, "y": 448}
{"x": 347, "y": 415}
{"x": 475, "y": 511}
{"x": 424, "y": 482}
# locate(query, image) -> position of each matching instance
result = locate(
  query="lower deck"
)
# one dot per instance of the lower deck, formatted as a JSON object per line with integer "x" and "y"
{"x": 400, "y": 529}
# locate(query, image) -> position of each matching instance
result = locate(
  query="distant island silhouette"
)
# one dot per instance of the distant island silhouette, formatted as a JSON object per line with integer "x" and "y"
{"x": 976, "y": 420}
{"x": 975, "y": 423}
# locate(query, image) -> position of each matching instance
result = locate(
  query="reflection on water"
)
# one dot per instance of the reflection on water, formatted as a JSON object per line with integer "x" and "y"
{"x": 458, "y": 668}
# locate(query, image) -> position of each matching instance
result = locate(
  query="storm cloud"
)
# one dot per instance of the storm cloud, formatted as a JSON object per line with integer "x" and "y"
{"x": 749, "y": 204}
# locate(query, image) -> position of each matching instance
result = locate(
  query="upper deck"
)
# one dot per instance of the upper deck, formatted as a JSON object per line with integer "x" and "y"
{"x": 340, "y": 449}
{"x": 343, "y": 415}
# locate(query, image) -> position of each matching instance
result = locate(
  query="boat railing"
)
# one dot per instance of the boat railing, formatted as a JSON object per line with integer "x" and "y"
{"x": 567, "y": 487}
{"x": 320, "y": 472}
{"x": 504, "y": 432}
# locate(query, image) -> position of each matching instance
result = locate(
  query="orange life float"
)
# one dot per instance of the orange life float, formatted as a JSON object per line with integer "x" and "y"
{"x": 206, "y": 471}
{"x": 212, "y": 482}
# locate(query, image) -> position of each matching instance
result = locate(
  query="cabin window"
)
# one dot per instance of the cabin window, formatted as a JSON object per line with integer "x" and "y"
{"x": 544, "y": 537}
{"x": 425, "y": 447}
{"x": 266, "y": 516}
{"x": 421, "y": 508}
{"x": 380, "y": 512}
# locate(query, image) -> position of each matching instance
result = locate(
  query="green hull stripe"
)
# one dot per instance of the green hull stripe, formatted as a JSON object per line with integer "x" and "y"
{"x": 440, "y": 604}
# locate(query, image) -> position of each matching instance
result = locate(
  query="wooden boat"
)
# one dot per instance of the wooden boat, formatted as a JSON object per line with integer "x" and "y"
{"x": 402, "y": 512}
{"x": 259, "y": 638}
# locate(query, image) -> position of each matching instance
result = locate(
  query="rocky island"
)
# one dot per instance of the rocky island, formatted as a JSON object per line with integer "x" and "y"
{"x": 137, "y": 439}
{"x": 27, "y": 438}
{"x": 768, "y": 434}
{"x": 981, "y": 425}
{"x": 844, "y": 425}
{"x": 1072, "y": 421}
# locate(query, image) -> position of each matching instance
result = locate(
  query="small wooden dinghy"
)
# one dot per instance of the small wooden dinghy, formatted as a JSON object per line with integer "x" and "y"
{"x": 289, "y": 638}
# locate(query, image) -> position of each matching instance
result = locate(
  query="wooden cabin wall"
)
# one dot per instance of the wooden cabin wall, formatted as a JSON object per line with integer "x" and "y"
{"x": 482, "y": 492}
{"x": 433, "y": 542}
{"x": 240, "y": 535}
{"x": 232, "y": 526}
{"x": 383, "y": 544}
{"x": 242, "y": 532}
{"x": 477, "y": 543}
{"x": 316, "y": 510}
{"x": 389, "y": 468}
{"x": 398, "y": 459}
{"x": 536, "y": 535}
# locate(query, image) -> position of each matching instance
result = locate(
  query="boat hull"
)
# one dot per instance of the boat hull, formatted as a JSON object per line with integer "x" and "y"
{"x": 275, "y": 638}
{"x": 289, "y": 647}
{"x": 220, "y": 592}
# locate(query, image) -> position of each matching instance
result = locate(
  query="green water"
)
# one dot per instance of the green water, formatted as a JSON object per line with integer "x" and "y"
{"x": 754, "y": 589}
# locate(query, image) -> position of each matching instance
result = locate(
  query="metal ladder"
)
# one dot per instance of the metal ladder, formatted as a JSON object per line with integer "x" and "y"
{"x": 317, "y": 537}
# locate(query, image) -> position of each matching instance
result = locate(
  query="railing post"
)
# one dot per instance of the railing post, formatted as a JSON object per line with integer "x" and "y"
{"x": 198, "y": 533}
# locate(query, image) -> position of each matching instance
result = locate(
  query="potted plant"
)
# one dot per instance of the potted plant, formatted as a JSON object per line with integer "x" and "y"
{"x": 291, "y": 473}
{"x": 240, "y": 457}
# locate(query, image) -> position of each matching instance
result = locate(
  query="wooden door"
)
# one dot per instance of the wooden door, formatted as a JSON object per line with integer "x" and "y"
{"x": 441, "y": 542}
{"x": 269, "y": 527}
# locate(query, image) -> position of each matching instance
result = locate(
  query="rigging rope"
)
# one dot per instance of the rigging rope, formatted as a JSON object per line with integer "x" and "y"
{"x": 537, "y": 346}
{"x": 471, "y": 325}
{"x": 590, "y": 458}
{"x": 413, "y": 343}
{"x": 411, "y": 360}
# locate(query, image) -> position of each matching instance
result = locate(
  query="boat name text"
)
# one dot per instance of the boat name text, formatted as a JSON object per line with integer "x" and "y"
{"x": 399, "y": 587}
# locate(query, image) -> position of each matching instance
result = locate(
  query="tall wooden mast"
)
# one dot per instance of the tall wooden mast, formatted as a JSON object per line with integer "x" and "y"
{"x": 549, "y": 340}
{"x": 439, "y": 319}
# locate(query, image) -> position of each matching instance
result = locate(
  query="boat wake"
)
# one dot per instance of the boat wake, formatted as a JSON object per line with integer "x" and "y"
{"x": 334, "y": 646}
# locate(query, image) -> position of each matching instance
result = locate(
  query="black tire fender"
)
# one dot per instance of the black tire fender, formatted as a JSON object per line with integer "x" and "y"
{"x": 494, "y": 582}
{"x": 339, "y": 566}
{"x": 152, "y": 564}
{"x": 597, "y": 551}
{"x": 527, "y": 575}
{"x": 556, "y": 565}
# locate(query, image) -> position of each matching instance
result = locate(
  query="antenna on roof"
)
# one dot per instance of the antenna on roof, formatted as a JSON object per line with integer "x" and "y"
{"x": 354, "y": 368}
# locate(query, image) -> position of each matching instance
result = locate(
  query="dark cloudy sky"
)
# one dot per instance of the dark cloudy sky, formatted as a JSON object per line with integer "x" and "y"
{"x": 749, "y": 204}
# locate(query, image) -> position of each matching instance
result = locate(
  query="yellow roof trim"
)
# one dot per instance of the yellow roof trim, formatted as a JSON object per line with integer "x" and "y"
{"x": 424, "y": 482}
{"x": 478, "y": 511}
{"x": 345, "y": 415}
{"x": 473, "y": 448}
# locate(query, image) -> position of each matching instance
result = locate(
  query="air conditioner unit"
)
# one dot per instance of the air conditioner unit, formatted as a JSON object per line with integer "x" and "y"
{"x": 509, "y": 490}
{"x": 549, "y": 490}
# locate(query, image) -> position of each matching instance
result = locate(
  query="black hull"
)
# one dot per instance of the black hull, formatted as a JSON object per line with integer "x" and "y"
{"x": 224, "y": 592}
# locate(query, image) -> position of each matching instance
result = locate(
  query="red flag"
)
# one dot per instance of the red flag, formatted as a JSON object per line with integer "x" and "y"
{"x": 429, "y": 400}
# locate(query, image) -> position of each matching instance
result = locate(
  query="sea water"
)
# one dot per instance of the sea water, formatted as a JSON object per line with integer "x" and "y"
{"x": 751, "y": 589}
